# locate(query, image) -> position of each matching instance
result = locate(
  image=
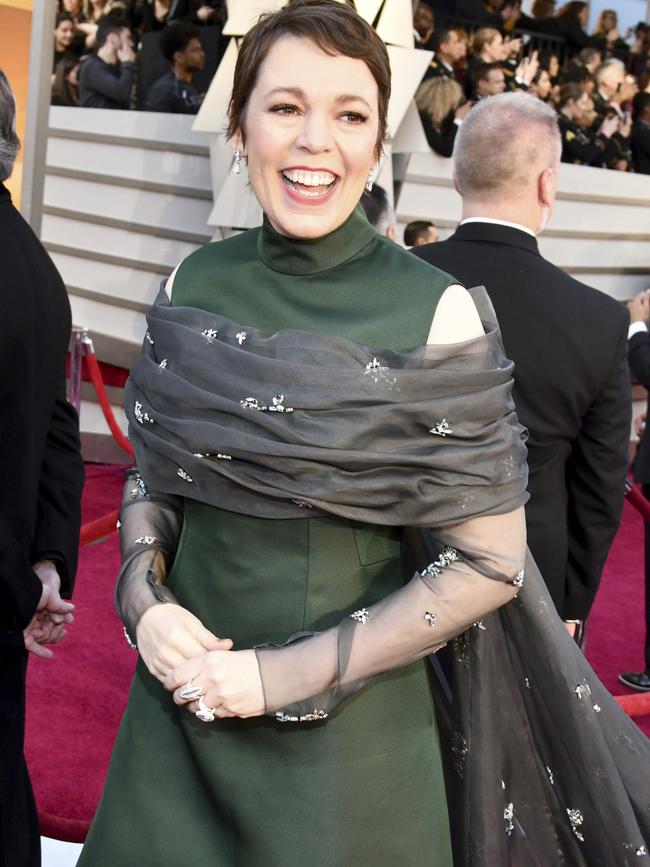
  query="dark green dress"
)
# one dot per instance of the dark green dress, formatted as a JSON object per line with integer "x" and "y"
{"x": 364, "y": 786}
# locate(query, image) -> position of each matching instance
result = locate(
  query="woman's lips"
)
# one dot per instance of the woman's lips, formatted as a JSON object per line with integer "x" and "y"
{"x": 308, "y": 187}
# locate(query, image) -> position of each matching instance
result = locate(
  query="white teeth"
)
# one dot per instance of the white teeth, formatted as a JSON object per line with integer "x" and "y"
{"x": 309, "y": 179}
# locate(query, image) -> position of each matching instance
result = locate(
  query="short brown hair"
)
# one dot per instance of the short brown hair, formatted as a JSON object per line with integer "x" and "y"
{"x": 335, "y": 28}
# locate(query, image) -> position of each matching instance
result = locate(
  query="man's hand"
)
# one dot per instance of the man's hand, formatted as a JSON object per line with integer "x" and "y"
{"x": 204, "y": 13}
{"x": 48, "y": 625}
{"x": 639, "y": 307}
{"x": 125, "y": 52}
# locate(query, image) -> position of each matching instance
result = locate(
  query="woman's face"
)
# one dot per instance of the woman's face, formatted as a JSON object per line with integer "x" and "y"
{"x": 63, "y": 35}
{"x": 553, "y": 66}
{"x": 72, "y": 7}
{"x": 495, "y": 51}
{"x": 73, "y": 76}
{"x": 583, "y": 109}
{"x": 609, "y": 21}
{"x": 311, "y": 126}
{"x": 543, "y": 86}
{"x": 583, "y": 16}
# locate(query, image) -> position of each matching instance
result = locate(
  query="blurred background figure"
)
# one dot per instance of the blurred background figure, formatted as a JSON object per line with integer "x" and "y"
{"x": 65, "y": 86}
{"x": 449, "y": 50}
{"x": 423, "y": 24}
{"x": 107, "y": 75}
{"x": 640, "y": 138}
{"x": 379, "y": 211}
{"x": 639, "y": 358}
{"x": 420, "y": 232}
{"x": 607, "y": 29}
{"x": 442, "y": 108}
{"x": 176, "y": 92}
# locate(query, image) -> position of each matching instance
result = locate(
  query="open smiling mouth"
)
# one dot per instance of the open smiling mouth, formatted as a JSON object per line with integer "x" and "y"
{"x": 308, "y": 184}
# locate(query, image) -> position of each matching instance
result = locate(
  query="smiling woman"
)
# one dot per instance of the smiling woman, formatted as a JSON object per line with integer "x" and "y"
{"x": 307, "y": 390}
{"x": 310, "y": 149}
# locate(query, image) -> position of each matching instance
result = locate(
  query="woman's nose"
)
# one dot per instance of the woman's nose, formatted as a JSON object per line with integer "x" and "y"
{"x": 316, "y": 134}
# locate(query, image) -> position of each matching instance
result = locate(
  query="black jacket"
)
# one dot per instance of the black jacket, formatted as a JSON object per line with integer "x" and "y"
{"x": 584, "y": 146}
{"x": 640, "y": 145}
{"x": 173, "y": 95}
{"x": 440, "y": 139}
{"x": 639, "y": 355}
{"x": 40, "y": 462}
{"x": 105, "y": 85}
{"x": 572, "y": 392}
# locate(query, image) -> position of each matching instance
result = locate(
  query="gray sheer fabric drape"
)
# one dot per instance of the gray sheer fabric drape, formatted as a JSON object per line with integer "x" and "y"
{"x": 543, "y": 768}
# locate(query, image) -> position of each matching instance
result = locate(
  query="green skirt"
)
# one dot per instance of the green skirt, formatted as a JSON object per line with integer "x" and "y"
{"x": 364, "y": 786}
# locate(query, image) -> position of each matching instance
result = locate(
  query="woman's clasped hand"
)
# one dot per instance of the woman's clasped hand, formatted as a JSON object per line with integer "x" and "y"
{"x": 177, "y": 649}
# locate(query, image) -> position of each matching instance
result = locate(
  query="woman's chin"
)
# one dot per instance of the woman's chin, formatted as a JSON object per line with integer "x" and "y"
{"x": 313, "y": 224}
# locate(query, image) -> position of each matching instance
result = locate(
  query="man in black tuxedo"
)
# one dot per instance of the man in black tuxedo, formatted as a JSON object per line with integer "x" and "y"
{"x": 568, "y": 342}
{"x": 42, "y": 475}
{"x": 639, "y": 356}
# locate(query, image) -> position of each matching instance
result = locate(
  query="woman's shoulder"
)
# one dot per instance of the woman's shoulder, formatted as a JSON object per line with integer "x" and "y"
{"x": 411, "y": 267}
{"x": 198, "y": 270}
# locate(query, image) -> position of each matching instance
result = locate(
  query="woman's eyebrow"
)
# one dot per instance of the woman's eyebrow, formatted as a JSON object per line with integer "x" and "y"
{"x": 294, "y": 91}
{"x": 353, "y": 97}
{"x": 299, "y": 93}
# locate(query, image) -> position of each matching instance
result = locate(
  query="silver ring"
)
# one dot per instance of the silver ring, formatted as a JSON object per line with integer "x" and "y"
{"x": 205, "y": 713}
{"x": 190, "y": 691}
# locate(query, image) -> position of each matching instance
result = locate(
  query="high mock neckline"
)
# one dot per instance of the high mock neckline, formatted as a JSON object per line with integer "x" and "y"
{"x": 302, "y": 256}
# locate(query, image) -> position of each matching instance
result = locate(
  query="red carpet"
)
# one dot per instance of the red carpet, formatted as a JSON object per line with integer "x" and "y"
{"x": 75, "y": 700}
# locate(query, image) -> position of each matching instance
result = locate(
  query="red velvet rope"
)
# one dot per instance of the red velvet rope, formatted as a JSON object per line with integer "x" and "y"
{"x": 98, "y": 529}
{"x": 98, "y": 382}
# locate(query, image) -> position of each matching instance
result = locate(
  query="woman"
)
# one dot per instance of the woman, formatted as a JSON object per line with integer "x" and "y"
{"x": 488, "y": 46}
{"x": 64, "y": 32}
{"x": 65, "y": 87}
{"x": 287, "y": 454}
{"x": 582, "y": 145}
{"x": 572, "y": 20}
{"x": 541, "y": 85}
{"x": 82, "y": 28}
{"x": 607, "y": 29}
{"x": 442, "y": 107}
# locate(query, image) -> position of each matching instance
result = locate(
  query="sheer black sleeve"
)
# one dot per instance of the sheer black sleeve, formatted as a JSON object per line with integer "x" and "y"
{"x": 150, "y": 528}
{"x": 479, "y": 569}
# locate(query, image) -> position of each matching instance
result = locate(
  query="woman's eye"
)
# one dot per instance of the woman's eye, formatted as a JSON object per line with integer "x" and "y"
{"x": 355, "y": 117}
{"x": 284, "y": 108}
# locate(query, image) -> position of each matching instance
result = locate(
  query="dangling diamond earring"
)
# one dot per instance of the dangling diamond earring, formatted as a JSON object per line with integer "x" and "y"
{"x": 369, "y": 182}
{"x": 236, "y": 168}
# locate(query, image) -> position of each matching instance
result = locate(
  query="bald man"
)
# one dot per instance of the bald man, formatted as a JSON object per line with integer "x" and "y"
{"x": 568, "y": 342}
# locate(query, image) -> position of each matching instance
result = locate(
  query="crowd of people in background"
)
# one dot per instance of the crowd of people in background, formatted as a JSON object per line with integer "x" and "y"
{"x": 127, "y": 54}
{"x": 151, "y": 55}
{"x": 598, "y": 83}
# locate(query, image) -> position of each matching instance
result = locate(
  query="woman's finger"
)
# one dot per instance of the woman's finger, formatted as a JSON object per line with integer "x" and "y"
{"x": 184, "y": 672}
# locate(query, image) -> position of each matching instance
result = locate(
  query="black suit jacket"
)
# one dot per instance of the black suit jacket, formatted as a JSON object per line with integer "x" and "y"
{"x": 572, "y": 391}
{"x": 41, "y": 470}
{"x": 639, "y": 355}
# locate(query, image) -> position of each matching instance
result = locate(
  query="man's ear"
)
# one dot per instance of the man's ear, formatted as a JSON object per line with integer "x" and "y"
{"x": 456, "y": 186}
{"x": 547, "y": 187}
